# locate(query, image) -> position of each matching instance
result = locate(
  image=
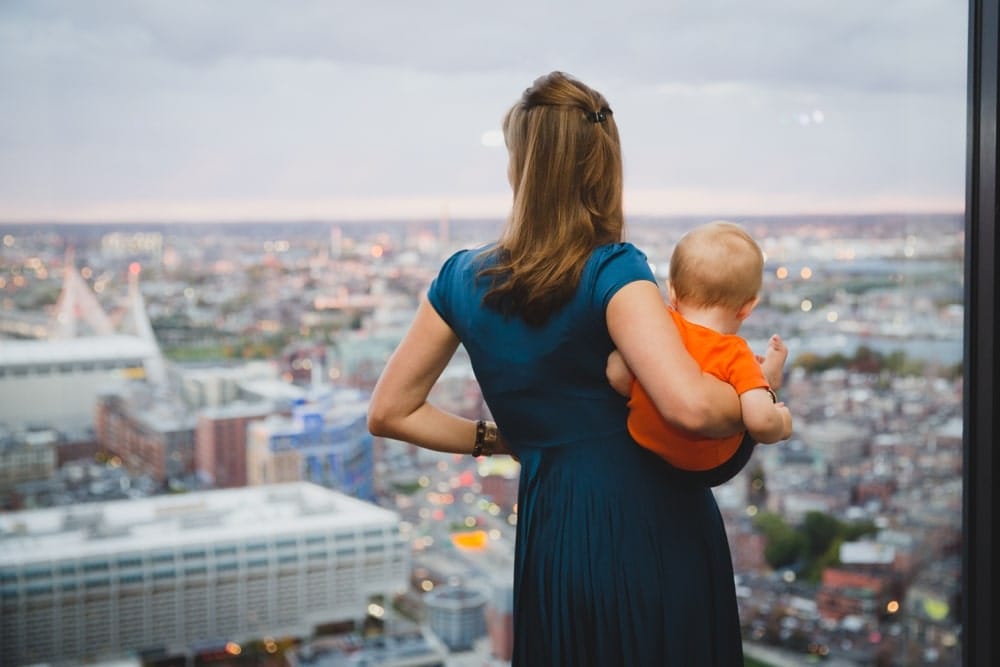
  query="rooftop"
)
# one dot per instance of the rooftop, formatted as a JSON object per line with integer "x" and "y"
{"x": 15, "y": 353}
{"x": 174, "y": 521}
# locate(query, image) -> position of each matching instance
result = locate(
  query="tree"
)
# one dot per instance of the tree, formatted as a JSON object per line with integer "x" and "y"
{"x": 818, "y": 532}
{"x": 784, "y": 544}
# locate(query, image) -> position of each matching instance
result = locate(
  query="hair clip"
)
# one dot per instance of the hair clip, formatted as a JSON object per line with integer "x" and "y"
{"x": 596, "y": 116}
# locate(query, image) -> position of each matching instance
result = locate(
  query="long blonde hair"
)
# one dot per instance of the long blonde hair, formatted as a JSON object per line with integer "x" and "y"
{"x": 566, "y": 174}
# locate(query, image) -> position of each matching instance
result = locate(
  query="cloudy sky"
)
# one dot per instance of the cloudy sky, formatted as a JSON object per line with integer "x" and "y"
{"x": 161, "y": 110}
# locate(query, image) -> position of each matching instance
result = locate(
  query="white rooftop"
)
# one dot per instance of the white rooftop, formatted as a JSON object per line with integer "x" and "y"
{"x": 867, "y": 553}
{"x": 273, "y": 389}
{"x": 90, "y": 348}
{"x": 173, "y": 521}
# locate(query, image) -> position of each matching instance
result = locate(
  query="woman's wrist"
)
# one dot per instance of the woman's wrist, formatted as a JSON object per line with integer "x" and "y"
{"x": 486, "y": 438}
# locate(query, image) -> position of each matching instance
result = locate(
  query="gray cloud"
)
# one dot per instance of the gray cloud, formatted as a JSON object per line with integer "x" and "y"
{"x": 107, "y": 100}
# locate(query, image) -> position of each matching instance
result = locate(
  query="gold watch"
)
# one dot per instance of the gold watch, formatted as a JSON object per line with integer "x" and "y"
{"x": 486, "y": 438}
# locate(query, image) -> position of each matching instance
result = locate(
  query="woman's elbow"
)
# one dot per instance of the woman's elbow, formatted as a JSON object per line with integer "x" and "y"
{"x": 698, "y": 419}
{"x": 707, "y": 419}
{"x": 379, "y": 420}
{"x": 375, "y": 424}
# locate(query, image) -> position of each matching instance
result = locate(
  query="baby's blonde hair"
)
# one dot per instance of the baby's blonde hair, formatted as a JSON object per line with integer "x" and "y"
{"x": 717, "y": 264}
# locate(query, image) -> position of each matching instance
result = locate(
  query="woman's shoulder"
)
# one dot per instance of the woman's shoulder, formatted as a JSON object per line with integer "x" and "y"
{"x": 619, "y": 256}
{"x": 467, "y": 259}
{"x": 614, "y": 265}
{"x": 617, "y": 252}
{"x": 455, "y": 285}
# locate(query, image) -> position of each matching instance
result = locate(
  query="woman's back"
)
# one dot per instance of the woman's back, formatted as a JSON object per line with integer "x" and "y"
{"x": 619, "y": 560}
{"x": 544, "y": 384}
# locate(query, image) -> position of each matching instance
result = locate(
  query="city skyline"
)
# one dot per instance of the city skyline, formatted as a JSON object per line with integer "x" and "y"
{"x": 173, "y": 112}
{"x": 877, "y": 446}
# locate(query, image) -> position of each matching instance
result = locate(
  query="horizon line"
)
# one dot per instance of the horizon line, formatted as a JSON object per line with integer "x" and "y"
{"x": 637, "y": 203}
{"x": 471, "y": 218}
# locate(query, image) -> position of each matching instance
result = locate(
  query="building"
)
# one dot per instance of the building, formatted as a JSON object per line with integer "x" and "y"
{"x": 325, "y": 441}
{"x": 105, "y": 579}
{"x": 220, "y": 443}
{"x": 500, "y": 618}
{"x": 845, "y": 593}
{"x": 212, "y": 386}
{"x": 26, "y": 456}
{"x": 746, "y": 544}
{"x": 56, "y": 383}
{"x": 499, "y": 477}
{"x": 411, "y": 647}
{"x": 457, "y": 615}
{"x": 152, "y": 433}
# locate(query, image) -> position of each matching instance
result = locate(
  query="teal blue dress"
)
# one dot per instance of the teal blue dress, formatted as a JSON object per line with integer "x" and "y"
{"x": 620, "y": 559}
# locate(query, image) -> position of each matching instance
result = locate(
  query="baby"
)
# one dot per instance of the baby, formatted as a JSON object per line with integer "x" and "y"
{"x": 716, "y": 273}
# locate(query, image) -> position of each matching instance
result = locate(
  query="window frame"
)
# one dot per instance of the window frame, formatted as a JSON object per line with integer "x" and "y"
{"x": 981, "y": 406}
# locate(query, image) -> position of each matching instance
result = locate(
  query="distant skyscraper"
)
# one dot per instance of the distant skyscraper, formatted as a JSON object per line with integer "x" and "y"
{"x": 336, "y": 242}
{"x": 444, "y": 230}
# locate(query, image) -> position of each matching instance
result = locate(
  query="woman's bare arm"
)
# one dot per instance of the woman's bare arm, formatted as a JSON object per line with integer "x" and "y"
{"x": 399, "y": 407}
{"x": 647, "y": 338}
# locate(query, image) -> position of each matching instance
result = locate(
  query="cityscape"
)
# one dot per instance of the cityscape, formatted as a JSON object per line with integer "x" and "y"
{"x": 186, "y": 475}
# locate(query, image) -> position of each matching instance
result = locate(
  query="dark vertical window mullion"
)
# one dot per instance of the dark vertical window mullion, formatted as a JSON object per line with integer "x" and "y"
{"x": 982, "y": 408}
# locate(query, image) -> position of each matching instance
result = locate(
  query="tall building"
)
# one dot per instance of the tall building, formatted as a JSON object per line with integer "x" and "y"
{"x": 105, "y": 579}
{"x": 325, "y": 441}
{"x": 220, "y": 443}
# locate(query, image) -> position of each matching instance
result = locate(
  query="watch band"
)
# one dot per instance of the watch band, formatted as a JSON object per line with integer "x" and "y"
{"x": 486, "y": 438}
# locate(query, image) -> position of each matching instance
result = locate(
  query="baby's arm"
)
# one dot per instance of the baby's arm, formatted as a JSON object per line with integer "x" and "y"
{"x": 772, "y": 362}
{"x": 766, "y": 421}
{"x": 619, "y": 374}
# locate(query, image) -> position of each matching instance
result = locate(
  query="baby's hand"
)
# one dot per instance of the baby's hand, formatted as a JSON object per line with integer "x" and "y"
{"x": 773, "y": 361}
{"x": 618, "y": 373}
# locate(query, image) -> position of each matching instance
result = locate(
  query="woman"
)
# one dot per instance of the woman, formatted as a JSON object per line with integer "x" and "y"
{"x": 620, "y": 559}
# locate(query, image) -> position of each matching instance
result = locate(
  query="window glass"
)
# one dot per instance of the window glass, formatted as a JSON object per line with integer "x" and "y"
{"x": 207, "y": 255}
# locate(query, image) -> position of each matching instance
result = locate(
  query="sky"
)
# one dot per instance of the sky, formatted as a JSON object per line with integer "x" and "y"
{"x": 185, "y": 110}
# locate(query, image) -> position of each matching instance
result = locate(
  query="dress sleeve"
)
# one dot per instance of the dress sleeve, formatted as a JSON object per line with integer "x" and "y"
{"x": 619, "y": 265}
{"x": 440, "y": 292}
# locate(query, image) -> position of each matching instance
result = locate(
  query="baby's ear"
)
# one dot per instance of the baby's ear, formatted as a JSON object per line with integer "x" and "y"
{"x": 672, "y": 295}
{"x": 747, "y": 308}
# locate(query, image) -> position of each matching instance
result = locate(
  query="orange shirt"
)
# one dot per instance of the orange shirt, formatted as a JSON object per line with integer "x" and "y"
{"x": 727, "y": 357}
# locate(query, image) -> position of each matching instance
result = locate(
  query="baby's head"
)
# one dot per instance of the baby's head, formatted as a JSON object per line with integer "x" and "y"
{"x": 716, "y": 264}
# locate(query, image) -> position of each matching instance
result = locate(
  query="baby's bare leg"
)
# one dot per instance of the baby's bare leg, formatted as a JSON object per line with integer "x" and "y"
{"x": 618, "y": 373}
